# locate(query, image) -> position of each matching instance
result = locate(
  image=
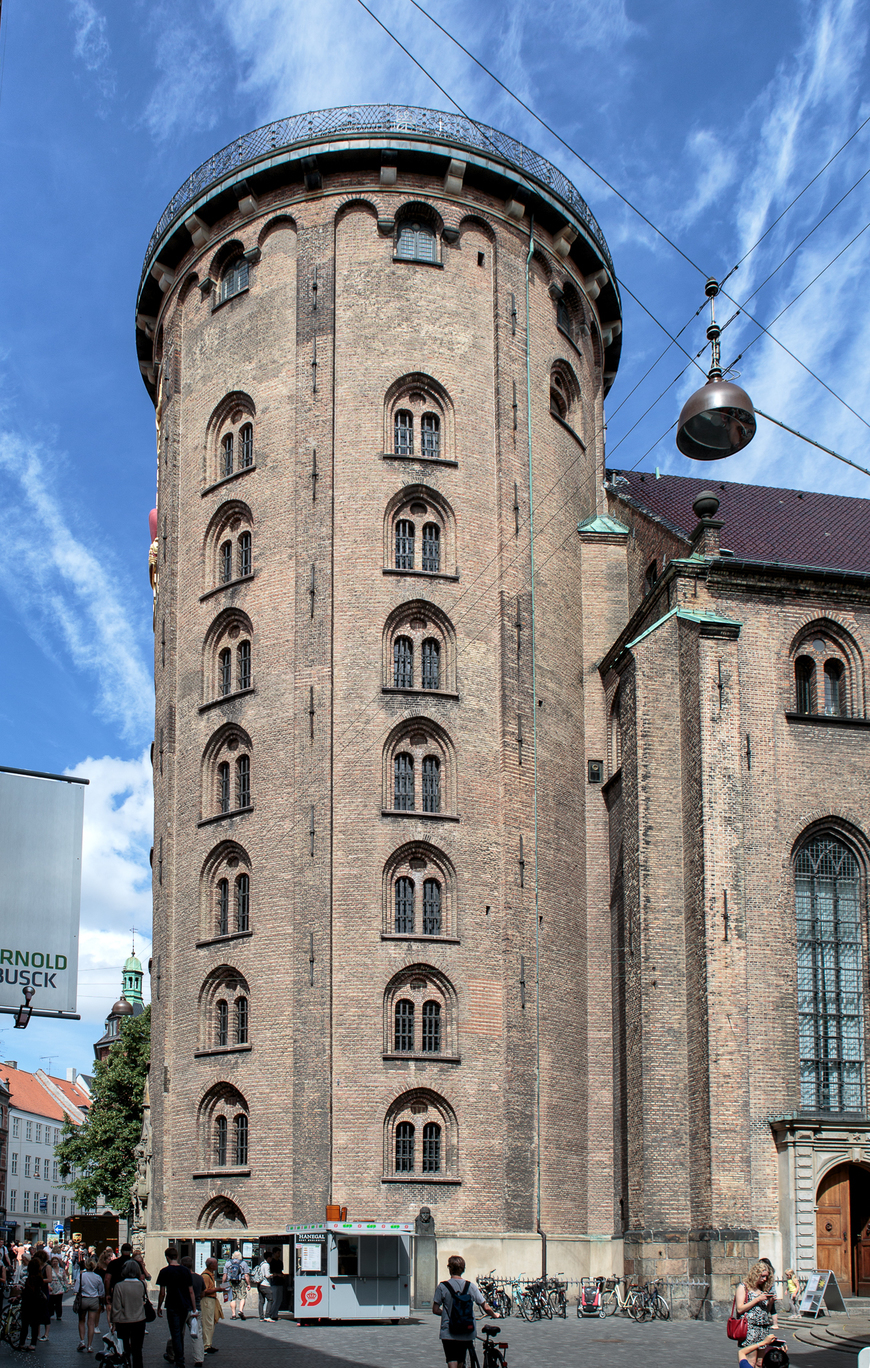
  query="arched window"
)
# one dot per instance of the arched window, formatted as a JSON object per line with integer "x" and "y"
{"x": 651, "y": 577}
{"x": 430, "y": 434}
{"x": 223, "y": 786}
{"x": 431, "y": 1027}
{"x": 240, "y": 1126}
{"x": 243, "y": 902}
{"x": 404, "y": 894}
{"x": 431, "y": 907}
{"x": 244, "y": 555}
{"x": 558, "y": 396}
{"x": 834, "y": 690}
{"x": 223, "y": 907}
{"x": 404, "y": 544}
{"x": 431, "y": 1147}
{"x": 563, "y": 315}
{"x": 565, "y": 394}
{"x": 220, "y": 1142}
{"x": 403, "y": 1037}
{"x": 246, "y": 446}
{"x": 805, "y": 684}
{"x": 234, "y": 278}
{"x": 225, "y": 672}
{"x": 243, "y": 665}
{"x": 241, "y": 1021}
{"x": 431, "y": 784}
{"x": 243, "y": 781}
{"x": 830, "y": 976}
{"x": 416, "y": 242}
{"x": 616, "y": 733}
{"x": 405, "y": 1147}
{"x": 430, "y": 677}
{"x": 403, "y": 663}
{"x": 223, "y": 1019}
{"x": 226, "y": 562}
{"x": 431, "y": 547}
{"x": 403, "y": 783}
{"x": 227, "y": 455}
{"x": 404, "y": 433}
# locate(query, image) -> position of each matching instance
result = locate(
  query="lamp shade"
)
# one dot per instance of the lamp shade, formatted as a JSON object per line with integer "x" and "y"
{"x": 717, "y": 421}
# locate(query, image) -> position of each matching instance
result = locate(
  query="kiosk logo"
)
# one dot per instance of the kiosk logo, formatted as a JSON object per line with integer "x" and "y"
{"x": 311, "y": 1296}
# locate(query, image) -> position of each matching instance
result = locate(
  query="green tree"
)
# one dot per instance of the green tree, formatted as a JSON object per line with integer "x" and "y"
{"x": 100, "y": 1152}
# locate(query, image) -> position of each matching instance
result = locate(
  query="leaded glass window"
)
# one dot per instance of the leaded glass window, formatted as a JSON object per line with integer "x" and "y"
{"x": 431, "y": 547}
{"x": 431, "y": 672}
{"x": 241, "y": 1021}
{"x": 226, "y": 562}
{"x": 431, "y": 907}
{"x": 241, "y": 1128}
{"x": 833, "y": 688}
{"x": 220, "y": 1142}
{"x": 403, "y": 783}
{"x": 243, "y": 781}
{"x": 223, "y": 892}
{"x": 830, "y": 977}
{"x": 404, "y": 544}
{"x": 404, "y": 1147}
{"x": 245, "y": 554}
{"x": 403, "y": 1036}
{"x": 431, "y": 1147}
{"x": 431, "y": 784}
{"x": 404, "y": 433}
{"x": 243, "y": 902}
{"x": 227, "y": 455}
{"x": 403, "y": 663}
{"x": 223, "y": 776}
{"x": 431, "y": 1027}
{"x": 404, "y": 906}
{"x": 235, "y": 279}
{"x": 223, "y": 1019}
{"x": 805, "y": 683}
{"x": 243, "y": 656}
{"x": 430, "y": 435}
{"x": 416, "y": 242}
{"x": 225, "y": 672}
{"x": 246, "y": 447}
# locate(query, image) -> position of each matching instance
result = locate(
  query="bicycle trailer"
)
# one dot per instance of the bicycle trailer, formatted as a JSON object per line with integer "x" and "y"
{"x": 591, "y": 1301}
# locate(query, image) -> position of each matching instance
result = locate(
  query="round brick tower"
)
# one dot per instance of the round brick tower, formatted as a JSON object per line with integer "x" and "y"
{"x": 374, "y": 856}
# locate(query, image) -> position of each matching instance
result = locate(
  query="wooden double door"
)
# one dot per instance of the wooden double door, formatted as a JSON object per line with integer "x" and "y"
{"x": 843, "y": 1227}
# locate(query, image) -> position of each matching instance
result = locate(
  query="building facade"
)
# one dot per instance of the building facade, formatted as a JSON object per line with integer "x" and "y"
{"x": 37, "y": 1198}
{"x": 466, "y": 787}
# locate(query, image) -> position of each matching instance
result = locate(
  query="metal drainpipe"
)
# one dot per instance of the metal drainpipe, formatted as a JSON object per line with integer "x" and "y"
{"x": 535, "y": 773}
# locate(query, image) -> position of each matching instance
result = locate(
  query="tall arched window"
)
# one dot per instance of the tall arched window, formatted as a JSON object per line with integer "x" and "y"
{"x": 405, "y": 1147}
{"x": 430, "y": 434}
{"x": 220, "y": 1142}
{"x": 805, "y": 684}
{"x": 431, "y": 783}
{"x": 223, "y": 902}
{"x": 246, "y": 447}
{"x": 404, "y": 906}
{"x": 834, "y": 681}
{"x": 404, "y": 433}
{"x": 431, "y": 547}
{"x": 404, "y": 544}
{"x": 223, "y": 781}
{"x": 243, "y": 781}
{"x": 243, "y": 665}
{"x": 403, "y": 783}
{"x": 243, "y": 902}
{"x": 226, "y": 562}
{"x": 431, "y": 1027}
{"x": 431, "y": 1147}
{"x": 403, "y": 1037}
{"x": 244, "y": 554}
{"x": 241, "y": 1021}
{"x": 431, "y": 907}
{"x": 431, "y": 671}
{"x": 403, "y": 663}
{"x": 223, "y": 1020}
{"x": 225, "y": 672}
{"x": 830, "y": 977}
{"x": 227, "y": 455}
{"x": 240, "y": 1126}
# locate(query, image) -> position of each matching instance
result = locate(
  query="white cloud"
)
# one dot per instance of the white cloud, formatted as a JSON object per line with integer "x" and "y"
{"x": 63, "y": 591}
{"x": 116, "y": 875}
{"x": 91, "y": 45}
{"x": 193, "y": 89}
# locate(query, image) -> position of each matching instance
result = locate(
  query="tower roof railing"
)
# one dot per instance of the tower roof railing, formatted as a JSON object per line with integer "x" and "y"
{"x": 454, "y": 130}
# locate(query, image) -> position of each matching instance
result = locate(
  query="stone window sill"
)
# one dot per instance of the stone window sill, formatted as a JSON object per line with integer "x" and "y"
{"x": 227, "y": 698}
{"x": 418, "y": 1057}
{"x": 230, "y": 584}
{"x": 423, "y": 816}
{"x": 419, "y": 261}
{"x": 429, "y": 940}
{"x": 222, "y": 940}
{"x": 823, "y": 720}
{"x": 225, "y": 816}
{"x": 419, "y": 693}
{"x": 219, "y": 303}
{"x": 419, "y": 1178}
{"x": 222, "y": 1050}
{"x": 425, "y": 460}
{"x": 420, "y": 574}
{"x": 228, "y": 479}
{"x": 223, "y": 1173}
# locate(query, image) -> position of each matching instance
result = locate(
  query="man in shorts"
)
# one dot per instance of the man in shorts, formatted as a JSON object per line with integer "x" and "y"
{"x": 237, "y": 1278}
{"x": 456, "y": 1345}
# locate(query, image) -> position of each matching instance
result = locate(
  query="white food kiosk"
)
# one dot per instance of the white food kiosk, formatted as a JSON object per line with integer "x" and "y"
{"x": 350, "y": 1270}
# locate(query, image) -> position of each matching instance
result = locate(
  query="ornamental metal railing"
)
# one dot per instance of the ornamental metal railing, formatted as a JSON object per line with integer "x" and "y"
{"x": 454, "y": 130}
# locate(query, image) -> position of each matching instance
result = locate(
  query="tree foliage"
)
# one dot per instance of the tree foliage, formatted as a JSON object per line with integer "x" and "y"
{"x": 100, "y": 1153}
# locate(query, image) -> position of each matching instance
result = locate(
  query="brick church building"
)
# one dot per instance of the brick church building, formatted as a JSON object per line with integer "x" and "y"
{"x": 511, "y": 830}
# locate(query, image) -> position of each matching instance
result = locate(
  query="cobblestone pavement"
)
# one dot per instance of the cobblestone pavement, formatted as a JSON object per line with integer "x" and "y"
{"x": 614, "y": 1342}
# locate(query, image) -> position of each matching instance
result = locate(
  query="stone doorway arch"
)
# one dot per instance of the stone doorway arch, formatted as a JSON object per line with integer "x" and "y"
{"x": 843, "y": 1226}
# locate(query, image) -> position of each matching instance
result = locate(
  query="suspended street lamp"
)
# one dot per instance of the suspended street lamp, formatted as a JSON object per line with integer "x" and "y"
{"x": 718, "y": 420}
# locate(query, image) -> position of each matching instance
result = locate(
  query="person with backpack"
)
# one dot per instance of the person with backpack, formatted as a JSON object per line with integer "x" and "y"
{"x": 237, "y": 1277}
{"x": 260, "y": 1279}
{"x": 454, "y": 1301}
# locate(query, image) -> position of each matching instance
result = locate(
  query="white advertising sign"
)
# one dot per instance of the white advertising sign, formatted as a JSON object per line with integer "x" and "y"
{"x": 40, "y": 890}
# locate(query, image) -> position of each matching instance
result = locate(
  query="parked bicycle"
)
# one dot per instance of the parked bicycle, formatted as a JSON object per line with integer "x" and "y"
{"x": 619, "y": 1296}
{"x": 494, "y": 1354}
{"x": 557, "y": 1295}
{"x": 650, "y": 1304}
{"x": 10, "y": 1321}
{"x": 494, "y": 1291}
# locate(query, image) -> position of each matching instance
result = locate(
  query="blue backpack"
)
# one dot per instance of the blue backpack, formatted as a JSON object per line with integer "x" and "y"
{"x": 461, "y": 1322}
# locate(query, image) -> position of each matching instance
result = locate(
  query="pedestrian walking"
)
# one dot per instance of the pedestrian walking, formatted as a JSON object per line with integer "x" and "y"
{"x": 276, "y": 1284}
{"x": 194, "y": 1322}
{"x": 176, "y": 1289}
{"x": 34, "y": 1298}
{"x": 128, "y": 1312}
{"x": 260, "y": 1279}
{"x": 90, "y": 1295}
{"x": 237, "y": 1278}
{"x": 55, "y": 1289}
{"x": 756, "y": 1300}
{"x": 454, "y": 1301}
{"x": 212, "y": 1311}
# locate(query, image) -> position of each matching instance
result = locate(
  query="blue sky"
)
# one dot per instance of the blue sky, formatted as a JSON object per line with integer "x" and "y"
{"x": 709, "y": 120}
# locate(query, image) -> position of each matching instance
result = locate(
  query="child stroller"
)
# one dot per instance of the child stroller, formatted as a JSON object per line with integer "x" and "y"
{"x": 112, "y": 1353}
{"x": 591, "y": 1300}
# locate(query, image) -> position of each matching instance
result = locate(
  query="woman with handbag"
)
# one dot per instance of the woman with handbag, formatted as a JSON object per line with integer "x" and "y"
{"x": 129, "y": 1312}
{"x": 34, "y": 1304}
{"x": 756, "y": 1300}
{"x": 90, "y": 1296}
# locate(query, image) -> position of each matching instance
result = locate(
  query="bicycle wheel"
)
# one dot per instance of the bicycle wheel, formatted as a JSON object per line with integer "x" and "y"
{"x": 637, "y": 1309}
{"x": 505, "y": 1305}
{"x": 611, "y": 1303}
{"x": 545, "y": 1308}
{"x": 524, "y": 1306}
{"x": 559, "y": 1302}
{"x": 660, "y": 1307}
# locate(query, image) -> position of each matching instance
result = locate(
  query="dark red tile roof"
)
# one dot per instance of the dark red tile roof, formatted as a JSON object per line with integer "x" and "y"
{"x": 790, "y": 526}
